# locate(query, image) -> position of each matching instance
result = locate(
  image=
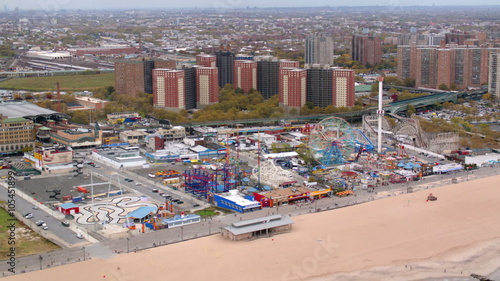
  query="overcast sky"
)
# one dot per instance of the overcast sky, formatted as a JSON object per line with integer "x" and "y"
{"x": 150, "y": 4}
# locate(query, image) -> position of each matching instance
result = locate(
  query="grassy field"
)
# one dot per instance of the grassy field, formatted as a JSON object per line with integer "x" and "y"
{"x": 67, "y": 83}
{"x": 28, "y": 242}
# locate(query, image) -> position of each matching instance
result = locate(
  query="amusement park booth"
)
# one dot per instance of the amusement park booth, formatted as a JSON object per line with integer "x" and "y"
{"x": 68, "y": 208}
{"x": 255, "y": 228}
{"x": 282, "y": 196}
{"x": 235, "y": 201}
{"x": 142, "y": 213}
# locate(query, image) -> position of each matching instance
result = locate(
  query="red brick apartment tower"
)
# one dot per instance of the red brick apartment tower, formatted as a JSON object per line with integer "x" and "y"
{"x": 426, "y": 67}
{"x": 245, "y": 75}
{"x": 169, "y": 89}
{"x": 288, "y": 63}
{"x": 129, "y": 78}
{"x": 444, "y": 69}
{"x": 407, "y": 59}
{"x": 206, "y": 60}
{"x": 207, "y": 86}
{"x": 292, "y": 87}
{"x": 343, "y": 87}
{"x": 366, "y": 49}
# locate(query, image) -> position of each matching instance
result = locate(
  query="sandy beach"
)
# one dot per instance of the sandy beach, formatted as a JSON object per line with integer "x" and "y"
{"x": 397, "y": 238}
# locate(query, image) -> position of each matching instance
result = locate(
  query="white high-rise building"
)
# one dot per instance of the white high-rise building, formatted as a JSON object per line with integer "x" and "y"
{"x": 319, "y": 49}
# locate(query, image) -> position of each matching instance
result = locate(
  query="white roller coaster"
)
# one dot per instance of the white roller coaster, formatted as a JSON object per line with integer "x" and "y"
{"x": 271, "y": 174}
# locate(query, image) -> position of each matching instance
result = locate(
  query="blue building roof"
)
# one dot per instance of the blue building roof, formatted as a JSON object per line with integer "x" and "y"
{"x": 142, "y": 212}
{"x": 68, "y": 205}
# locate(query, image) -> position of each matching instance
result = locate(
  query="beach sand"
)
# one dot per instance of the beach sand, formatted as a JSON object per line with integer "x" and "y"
{"x": 397, "y": 238}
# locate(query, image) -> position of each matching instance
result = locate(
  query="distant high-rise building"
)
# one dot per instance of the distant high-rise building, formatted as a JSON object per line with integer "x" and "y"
{"x": 169, "y": 89}
{"x": 206, "y": 60}
{"x": 191, "y": 86}
{"x": 494, "y": 74}
{"x": 458, "y": 37}
{"x": 292, "y": 88}
{"x": 343, "y": 87}
{"x": 133, "y": 77}
{"x": 267, "y": 75}
{"x": 225, "y": 63}
{"x": 455, "y": 66}
{"x": 288, "y": 63}
{"x": 319, "y": 49}
{"x": 420, "y": 39}
{"x": 207, "y": 86}
{"x": 319, "y": 85}
{"x": 243, "y": 57}
{"x": 366, "y": 49}
{"x": 245, "y": 75}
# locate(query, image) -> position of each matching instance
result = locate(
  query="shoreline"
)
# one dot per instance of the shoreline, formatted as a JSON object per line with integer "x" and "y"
{"x": 378, "y": 238}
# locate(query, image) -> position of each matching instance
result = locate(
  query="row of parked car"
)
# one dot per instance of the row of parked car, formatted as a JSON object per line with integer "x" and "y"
{"x": 39, "y": 223}
{"x": 168, "y": 197}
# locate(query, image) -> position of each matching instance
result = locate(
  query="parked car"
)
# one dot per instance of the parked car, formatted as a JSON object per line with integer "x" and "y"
{"x": 155, "y": 190}
{"x": 180, "y": 202}
{"x": 39, "y": 222}
{"x": 65, "y": 223}
{"x": 163, "y": 194}
{"x": 79, "y": 236}
{"x": 44, "y": 226}
{"x": 28, "y": 216}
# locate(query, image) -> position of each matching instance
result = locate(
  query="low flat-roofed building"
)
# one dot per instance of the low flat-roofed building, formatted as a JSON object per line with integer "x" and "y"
{"x": 233, "y": 200}
{"x": 278, "y": 197}
{"x": 133, "y": 137}
{"x": 91, "y": 103}
{"x": 119, "y": 156}
{"x": 176, "y": 133}
{"x": 255, "y": 228}
{"x": 181, "y": 220}
{"x": 78, "y": 137}
{"x": 119, "y": 117}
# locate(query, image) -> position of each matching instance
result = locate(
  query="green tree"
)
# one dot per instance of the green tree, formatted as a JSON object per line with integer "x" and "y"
{"x": 409, "y": 82}
{"x": 410, "y": 109}
{"x": 443, "y": 87}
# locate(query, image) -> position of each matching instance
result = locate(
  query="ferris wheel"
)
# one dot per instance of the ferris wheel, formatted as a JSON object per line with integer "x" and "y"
{"x": 332, "y": 141}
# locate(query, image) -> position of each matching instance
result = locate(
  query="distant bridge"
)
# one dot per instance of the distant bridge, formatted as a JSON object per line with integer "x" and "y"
{"x": 432, "y": 99}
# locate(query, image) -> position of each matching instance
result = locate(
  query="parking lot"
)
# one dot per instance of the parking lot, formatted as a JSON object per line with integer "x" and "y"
{"x": 42, "y": 188}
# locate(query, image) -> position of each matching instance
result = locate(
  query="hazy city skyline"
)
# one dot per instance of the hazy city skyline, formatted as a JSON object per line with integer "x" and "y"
{"x": 221, "y": 4}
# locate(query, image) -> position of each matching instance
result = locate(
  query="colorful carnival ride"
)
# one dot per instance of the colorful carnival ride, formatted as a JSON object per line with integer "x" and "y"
{"x": 333, "y": 142}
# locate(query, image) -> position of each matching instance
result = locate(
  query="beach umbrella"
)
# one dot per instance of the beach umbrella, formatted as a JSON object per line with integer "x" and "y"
{"x": 267, "y": 187}
{"x": 252, "y": 189}
{"x": 401, "y": 164}
{"x": 246, "y": 179}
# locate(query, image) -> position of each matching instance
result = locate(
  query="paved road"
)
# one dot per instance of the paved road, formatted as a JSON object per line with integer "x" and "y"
{"x": 139, "y": 241}
{"x": 59, "y": 234}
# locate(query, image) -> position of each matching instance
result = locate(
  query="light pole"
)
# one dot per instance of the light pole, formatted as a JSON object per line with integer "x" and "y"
{"x": 40, "y": 258}
{"x": 83, "y": 248}
{"x": 182, "y": 233}
{"x": 128, "y": 247}
{"x": 209, "y": 227}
